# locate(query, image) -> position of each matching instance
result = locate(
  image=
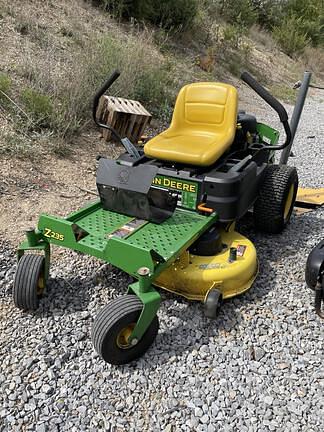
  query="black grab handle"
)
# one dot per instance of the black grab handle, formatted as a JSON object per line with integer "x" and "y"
{"x": 274, "y": 103}
{"x": 101, "y": 91}
{"x": 261, "y": 91}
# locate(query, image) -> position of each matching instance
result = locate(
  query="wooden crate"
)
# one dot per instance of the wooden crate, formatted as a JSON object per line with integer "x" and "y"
{"x": 128, "y": 117}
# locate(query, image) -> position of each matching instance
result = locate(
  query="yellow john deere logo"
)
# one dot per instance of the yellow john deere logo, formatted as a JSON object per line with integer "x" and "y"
{"x": 175, "y": 184}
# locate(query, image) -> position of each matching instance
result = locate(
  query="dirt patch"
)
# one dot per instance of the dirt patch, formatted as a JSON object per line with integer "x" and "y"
{"x": 48, "y": 185}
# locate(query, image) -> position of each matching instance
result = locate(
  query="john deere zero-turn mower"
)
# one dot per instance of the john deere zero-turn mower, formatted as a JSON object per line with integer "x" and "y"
{"x": 167, "y": 213}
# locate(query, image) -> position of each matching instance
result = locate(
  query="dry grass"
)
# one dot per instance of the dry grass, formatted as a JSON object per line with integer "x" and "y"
{"x": 58, "y": 59}
{"x": 144, "y": 76}
{"x": 284, "y": 93}
{"x": 262, "y": 38}
{"x": 56, "y": 53}
{"x": 313, "y": 59}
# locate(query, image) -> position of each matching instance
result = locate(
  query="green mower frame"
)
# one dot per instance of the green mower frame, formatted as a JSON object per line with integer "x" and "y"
{"x": 142, "y": 263}
{"x": 187, "y": 227}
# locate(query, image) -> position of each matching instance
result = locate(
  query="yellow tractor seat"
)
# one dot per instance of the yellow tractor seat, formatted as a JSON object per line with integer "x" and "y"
{"x": 202, "y": 127}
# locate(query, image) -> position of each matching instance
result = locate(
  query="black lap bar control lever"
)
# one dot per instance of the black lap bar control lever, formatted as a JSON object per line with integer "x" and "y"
{"x": 274, "y": 103}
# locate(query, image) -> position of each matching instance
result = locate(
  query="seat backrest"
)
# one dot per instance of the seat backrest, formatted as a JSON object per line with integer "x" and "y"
{"x": 206, "y": 106}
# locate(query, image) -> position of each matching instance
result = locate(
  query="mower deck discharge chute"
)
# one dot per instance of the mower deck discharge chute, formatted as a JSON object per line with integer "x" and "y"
{"x": 167, "y": 213}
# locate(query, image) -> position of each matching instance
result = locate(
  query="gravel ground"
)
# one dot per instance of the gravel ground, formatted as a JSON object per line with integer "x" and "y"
{"x": 259, "y": 367}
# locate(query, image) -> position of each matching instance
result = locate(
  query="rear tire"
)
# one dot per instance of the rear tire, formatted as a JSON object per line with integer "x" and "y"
{"x": 29, "y": 284}
{"x": 114, "y": 324}
{"x": 275, "y": 203}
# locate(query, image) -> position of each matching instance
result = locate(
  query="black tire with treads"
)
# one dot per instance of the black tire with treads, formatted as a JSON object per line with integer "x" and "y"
{"x": 269, "y": 208}
{"x": 29, "y": 269}
{"x": 111, "y": 320}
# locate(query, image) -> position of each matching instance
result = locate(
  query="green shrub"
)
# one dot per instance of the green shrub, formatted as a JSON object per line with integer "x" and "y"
{"x": 38, "y": 105}
{"x": 170, "y": 13}
{"x": 311, "y": 13}
{"x": 269, "y": 12}
{"x": 292, "y": 40}
{"x": 239, "y": 12}
{"x": 314, "y": 30}
{"x": 167, "y": 13}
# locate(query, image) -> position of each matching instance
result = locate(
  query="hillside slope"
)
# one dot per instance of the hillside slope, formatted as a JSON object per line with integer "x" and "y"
{"x": 53, "y": 55}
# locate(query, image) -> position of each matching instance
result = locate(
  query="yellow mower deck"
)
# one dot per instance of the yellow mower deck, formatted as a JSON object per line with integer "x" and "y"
{"x": 194, "y": 276}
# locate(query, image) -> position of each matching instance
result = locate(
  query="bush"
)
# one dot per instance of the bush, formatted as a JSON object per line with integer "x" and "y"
{"x": 168, "y": 14}
{"x": 239, "y": 12}
{"x": 289, "y": 36}
{"x": 311, "y": 13}
{"x": 269, "y": 12}
{"x": 39, "y": 106}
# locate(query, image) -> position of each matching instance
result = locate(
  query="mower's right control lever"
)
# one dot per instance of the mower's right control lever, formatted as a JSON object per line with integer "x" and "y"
{"x": 128, "y": 145}
{"x": 274, "y": 103}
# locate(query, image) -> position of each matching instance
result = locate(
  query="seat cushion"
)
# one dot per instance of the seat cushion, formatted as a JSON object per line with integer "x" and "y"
{"x": 202, "y": 128}
{"x": 193, "y": 149}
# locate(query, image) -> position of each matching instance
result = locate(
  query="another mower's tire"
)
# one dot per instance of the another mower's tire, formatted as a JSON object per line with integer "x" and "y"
{"x": 275, "y": 203}
{"x": 212, "y": 304}
{"x": 29, "y": 284}
{"x": 114, "y": 324}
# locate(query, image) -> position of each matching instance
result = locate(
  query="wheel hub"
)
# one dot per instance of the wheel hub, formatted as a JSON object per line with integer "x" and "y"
{"x": 40, "y": 285}
{"x": 289, "y": 201}
{"x": 124, "y": 335}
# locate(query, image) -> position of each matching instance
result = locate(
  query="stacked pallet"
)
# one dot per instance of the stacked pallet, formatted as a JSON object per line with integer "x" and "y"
{"x": 128, "y": 117}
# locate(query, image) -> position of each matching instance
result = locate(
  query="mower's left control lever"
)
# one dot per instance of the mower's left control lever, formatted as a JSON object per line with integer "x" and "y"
{"x": 113, "y": 77}
{"x": 274, "y": 103}
{"x": 128, "y": 145}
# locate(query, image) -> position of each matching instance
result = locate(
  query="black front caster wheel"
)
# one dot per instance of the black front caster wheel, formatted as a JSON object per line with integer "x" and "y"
{"x": 113, "y": 327}
{"x": 29, "y": 284}
{"x": 213, "y": 303}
